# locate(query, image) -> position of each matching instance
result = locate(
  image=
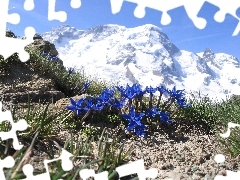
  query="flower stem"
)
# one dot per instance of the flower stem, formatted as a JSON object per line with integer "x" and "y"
{"x": 150, "y": 101}
{"x": 85, "y": 116}
{"x": 159, "y": 99}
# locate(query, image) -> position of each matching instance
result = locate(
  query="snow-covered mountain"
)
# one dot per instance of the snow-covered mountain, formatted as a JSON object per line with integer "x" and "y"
{"x": 145, "y": 55}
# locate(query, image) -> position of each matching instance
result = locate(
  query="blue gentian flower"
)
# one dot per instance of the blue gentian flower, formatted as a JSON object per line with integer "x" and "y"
{"x": 76, "y": 106}
{"x": 120, "y": 89}
{"x": 43, "y": 53}
{"x": 54, "y": 58}
{"x": 119, "y": 104}
{"x": 104, "y": 98}
{"x": 162, "y": 89}
{"x": 151, "y": 90}
{"x": 177, "y": 94}
{"x": 131, "y": 125}
{"x": 109, "y": 92}
{"x": 51, "y": 58}
{"x": 85, "y": 86}
{"x": 137, "y": 89}
{"x": 70, "y": 71}
{"x": 139, "y": 130}
{"x": 152, "y": 113}
{"x": 182, "y": 103}
{"x": 165, "y": 117}
{"x": 129, "y": 93}
{"x": 98, "y": 106}
{"x": 134, "y": 119}
{"x": 89, "y": 103}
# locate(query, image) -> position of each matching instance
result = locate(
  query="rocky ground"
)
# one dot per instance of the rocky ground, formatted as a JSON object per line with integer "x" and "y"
{"x": 180, "y": 154}
{"x": 185, "y": 151}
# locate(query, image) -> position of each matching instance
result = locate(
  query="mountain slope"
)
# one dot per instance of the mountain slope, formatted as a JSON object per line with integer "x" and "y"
{"x": 144, "y": 55}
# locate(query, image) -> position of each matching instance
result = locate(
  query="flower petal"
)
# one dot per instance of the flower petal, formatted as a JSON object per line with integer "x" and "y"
{"x": 71, "y": 107}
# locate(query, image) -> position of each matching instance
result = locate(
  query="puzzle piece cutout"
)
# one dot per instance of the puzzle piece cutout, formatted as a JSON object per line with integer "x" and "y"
{"x": 227, "y": 7}
{"x": 75, "y": 4}
{"x": 87, "y": 173}
{"x": 21, "y": 125}
{"x": 192, "y": 8}
{"x": 28, "y": 171}
{"x": 230, "y": 125}
{"x": 29, "y": 5}
{"x": 220, "y": 158}
{"x": 230, "y": 175}
{"x": 60, "y": 15}
{"x": 8, "y": 162}
{"x": 54, "y": 15}
{"x": 136, "y": 167}
{"x": 9, "y": 46}
{"x": 66, "y": 163}
{"x": 140, "y": 12}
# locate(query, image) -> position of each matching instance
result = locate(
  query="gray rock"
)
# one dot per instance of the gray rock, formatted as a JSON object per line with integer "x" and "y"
{"x": 33, "y": 96}
{"x": 45, "y": 46}
{"x": 62, "y": 103}
{"x": 37, "y": 36}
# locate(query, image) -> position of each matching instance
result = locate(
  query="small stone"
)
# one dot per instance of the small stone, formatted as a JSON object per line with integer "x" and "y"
{"x": 207, "y": 156}
{"x": 194, "y": 168}
{"x": 187, "y": 169}
{"x": 206, "y": 177}
{"x": 200, "y": 173}
{"x": 201, "y": 160}
{"x": 235, "y": 165}
{"x": 223, "y": 172}
{"x": 164, "y": 166}
{"x": 154, "y": 165}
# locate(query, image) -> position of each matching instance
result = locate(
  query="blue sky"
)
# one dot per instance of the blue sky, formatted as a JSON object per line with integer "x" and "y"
{"x": 181, "y": 31}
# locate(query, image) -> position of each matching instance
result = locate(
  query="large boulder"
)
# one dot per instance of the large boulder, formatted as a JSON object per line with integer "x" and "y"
{"x": 37, "y": 36}
{"x": 33, "y": 96}
{"x": 44, "y": 46}
{"x": 22, "y": 83}
{"x": 63, "y": 102}
{"x": 9, "y": 33}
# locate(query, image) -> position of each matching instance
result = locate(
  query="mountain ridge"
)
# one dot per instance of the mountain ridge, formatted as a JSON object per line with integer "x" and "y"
{"x": 144, "y": 55}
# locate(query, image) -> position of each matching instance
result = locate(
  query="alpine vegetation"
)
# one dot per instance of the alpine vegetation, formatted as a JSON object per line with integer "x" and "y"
{"x": 106, "y": 125}
{"x": 136, "y": 112}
